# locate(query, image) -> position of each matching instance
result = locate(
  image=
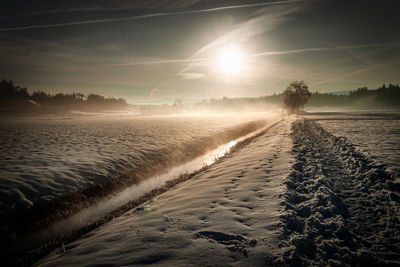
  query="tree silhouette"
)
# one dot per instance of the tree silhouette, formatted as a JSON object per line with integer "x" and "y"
{"x": 295, "y": 96}
{"x": 15, "y": 98}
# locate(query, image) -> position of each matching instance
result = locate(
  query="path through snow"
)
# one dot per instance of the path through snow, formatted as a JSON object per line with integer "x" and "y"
{"x": 340, "y": 207}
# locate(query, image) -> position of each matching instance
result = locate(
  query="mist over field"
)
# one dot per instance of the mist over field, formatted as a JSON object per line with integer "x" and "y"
{"x": 200, "y": 133}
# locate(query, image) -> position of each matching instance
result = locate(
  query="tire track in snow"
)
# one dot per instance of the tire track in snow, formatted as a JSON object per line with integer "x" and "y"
{"x": 340, "y": 208}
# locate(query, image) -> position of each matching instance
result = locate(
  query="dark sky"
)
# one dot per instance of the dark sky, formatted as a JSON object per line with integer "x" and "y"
{"x": 149, "y": 51}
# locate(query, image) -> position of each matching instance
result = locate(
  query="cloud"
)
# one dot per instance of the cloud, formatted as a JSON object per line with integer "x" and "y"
{"x": 153, "y": 93}
{"x": 19, "y": 9}
{"x": 243, "y": 33}
{"x": 318, "y": 49}
{"x": 261, "y": 54}
{"x": 190, "y": 76}
{"x": 341, "y": 77}
{"x": 200, "y": 64}
{"x": 146, "y": 16}
{"x": 163, "y": 61}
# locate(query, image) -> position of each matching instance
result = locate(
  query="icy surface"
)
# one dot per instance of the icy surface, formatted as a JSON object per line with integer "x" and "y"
{"x": 44, "y": 158}
{"x": 229, "y": 214}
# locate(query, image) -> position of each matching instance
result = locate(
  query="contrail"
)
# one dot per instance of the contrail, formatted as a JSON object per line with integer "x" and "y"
{"x": 166, "y": 61}
{"x": 317, "y": 49}
{"x": 163, "y": 14}
{"x": 262, "y": 54}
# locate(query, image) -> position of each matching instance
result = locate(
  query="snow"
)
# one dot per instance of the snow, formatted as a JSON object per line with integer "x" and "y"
{"x": 227, "y": 214}
{"x": 378, "y": 138}
{"x": 342, "y": 208}
{"x": 45, "y": 158}
{"x": 314, "y": 190}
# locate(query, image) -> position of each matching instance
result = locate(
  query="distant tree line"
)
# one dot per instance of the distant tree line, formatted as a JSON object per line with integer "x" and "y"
{"x": 227, "y": 104}
{"x": 382, "y": 97}
{"x": 17, "y": 99}
{"x": 165, "y": 109}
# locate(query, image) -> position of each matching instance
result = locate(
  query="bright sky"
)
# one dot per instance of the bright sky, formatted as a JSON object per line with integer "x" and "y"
{"x": 153, "y": 51}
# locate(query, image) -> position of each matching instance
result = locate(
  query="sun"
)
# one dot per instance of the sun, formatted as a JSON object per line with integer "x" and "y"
{"x": 230, "y": 60}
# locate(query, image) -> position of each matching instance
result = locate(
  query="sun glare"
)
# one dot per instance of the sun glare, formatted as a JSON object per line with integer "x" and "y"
{"x": 230, "y": 60}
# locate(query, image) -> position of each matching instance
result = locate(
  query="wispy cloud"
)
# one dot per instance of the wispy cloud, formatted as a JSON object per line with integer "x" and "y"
{"x": 261, "y": 54}
{"x": 146, "y": 16}
{"x": 320, "y": 49}
{"x": 164, "y": 61}
{"x": 241, "y": 34}
{"x": 340, "y": 77}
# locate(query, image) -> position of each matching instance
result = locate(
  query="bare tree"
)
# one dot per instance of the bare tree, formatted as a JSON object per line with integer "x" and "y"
{"x": 295, "y": 96}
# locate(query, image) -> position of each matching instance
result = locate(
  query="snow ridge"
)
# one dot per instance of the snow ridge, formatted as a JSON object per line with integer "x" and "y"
{"x": 340, "y": 207}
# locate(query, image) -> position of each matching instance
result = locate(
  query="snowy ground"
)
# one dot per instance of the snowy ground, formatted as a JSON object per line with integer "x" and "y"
{"x": 341, "y": 207}
{"x": 377, "y": 138}
{"x": 301, "y": 194}
{"x": 53, "y": 167}
{"x": 227, "y": 214}
{"x": 42, "y": 159}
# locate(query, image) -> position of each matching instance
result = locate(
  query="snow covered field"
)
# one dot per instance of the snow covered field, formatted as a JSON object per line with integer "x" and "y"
{"x": 52, "y": 167}
{"x": 321, "y": 189}
{"x": 297, "y": 195}
{"x": 227, "y": 214}
{"x": 375, "y": 136}
{"x": 42, "y": 159}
